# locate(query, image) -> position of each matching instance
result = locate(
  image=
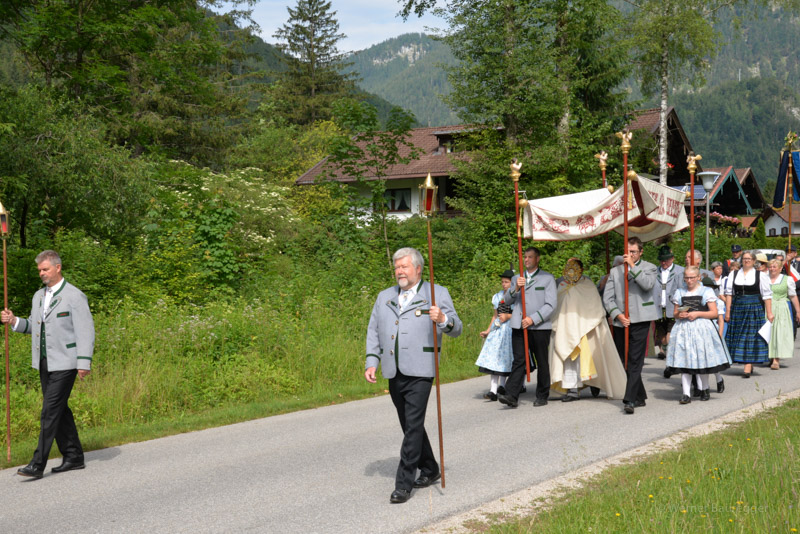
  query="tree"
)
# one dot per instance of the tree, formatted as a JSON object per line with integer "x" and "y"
{"x": 546, "y": 73}
{"x": 157, "y": 71}
{"x": 673, "y": 42}
{"x": 58, "y": 171}
{"x": 365, "y": 152}
{"x": 313, "y": 79}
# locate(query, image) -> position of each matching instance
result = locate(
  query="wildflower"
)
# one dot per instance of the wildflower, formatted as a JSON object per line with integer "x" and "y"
{"x": 702, "y": 515}
{"x": 683, "y": 511}
{"x": 651, "y": 495}
{"x": 618, "y": 514}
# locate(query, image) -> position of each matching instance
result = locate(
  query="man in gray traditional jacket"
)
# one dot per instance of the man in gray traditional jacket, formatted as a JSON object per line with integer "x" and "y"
{"x": 400, "y": 338}
{"x": 62, "y": 332}
{"x": 642, "y": 277}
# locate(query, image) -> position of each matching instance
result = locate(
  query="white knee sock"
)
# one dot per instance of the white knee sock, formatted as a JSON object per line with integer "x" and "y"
{"x": 703, "y": 382}
{"x": 686, "y": 382}
{"x": 493, "y": 384}
{"x": 719, "y": 377}
{"x": 502, "y": 380}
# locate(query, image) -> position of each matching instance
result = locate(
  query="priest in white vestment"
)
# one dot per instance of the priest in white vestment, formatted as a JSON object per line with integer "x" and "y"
{"x": 582, "y": 350}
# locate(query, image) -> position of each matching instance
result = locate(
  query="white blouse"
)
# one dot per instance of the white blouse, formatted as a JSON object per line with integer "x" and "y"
{"x": 740, "y": 278}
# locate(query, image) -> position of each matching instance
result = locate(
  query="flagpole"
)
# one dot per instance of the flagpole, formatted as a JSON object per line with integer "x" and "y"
{"x": 427, "y": 207}
{"x": 603, "y": 157}
{"x": 520, "y": 205}
{"x": 626, "y": 147}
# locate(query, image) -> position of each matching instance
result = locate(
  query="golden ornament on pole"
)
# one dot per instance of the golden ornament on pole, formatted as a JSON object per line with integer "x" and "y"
{"x": 692, "y": 160}
{"x": 427, "y": 207}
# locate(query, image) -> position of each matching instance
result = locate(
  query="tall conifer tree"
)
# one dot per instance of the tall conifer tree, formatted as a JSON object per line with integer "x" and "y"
{"x": 314, "y": 78}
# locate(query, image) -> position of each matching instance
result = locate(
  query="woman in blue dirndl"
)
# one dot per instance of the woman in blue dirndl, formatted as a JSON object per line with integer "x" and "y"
{"x": 695, "y": 346}
{"x": 751, "y": 306}
{"x": 496, "y": 355}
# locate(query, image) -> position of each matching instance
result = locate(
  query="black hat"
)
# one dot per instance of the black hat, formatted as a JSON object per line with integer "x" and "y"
{"x": 708, "y": 282}
{"x": 736, "y": 248}
{"x": 507, "y": 274}
{"x": 791, "y": 248}
{"x": 664, "y": 253}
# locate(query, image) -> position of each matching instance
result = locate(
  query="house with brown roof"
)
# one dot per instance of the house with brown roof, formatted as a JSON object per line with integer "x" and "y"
{"x": 735, "y": 191}
{"x": 439, "y": 150}
{"x": 776, "y": 221}
{"x": 678, "y": 145}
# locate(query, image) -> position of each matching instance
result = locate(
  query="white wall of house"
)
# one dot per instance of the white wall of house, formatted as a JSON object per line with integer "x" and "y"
{"x": 403, "y": 196}
{"x": 775, "y": 226}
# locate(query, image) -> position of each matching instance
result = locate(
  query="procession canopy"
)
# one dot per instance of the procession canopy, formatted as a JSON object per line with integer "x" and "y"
{"x": 654, "y": 211}
{"x": 780, "y": 188}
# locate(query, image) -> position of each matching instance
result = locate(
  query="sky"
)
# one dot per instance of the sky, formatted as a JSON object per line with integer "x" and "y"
{"x": 364, "y": 22}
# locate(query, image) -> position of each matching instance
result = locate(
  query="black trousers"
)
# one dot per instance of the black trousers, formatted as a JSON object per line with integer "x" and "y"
{"x": 538, "y": 343}
{"x": 57, "y": 422}
{"x": 637, "y": 348}
{"x": 410, "y": 397}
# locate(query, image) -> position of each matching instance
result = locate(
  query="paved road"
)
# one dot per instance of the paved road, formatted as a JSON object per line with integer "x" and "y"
{"x": 331, "y": 469}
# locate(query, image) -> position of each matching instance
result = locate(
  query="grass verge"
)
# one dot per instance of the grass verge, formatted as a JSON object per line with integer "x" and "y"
{"x": 745, "y": 478}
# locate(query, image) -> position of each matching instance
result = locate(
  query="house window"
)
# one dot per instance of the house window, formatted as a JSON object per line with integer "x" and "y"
{"x": 398, "y": 200}
{"x": 784, "y": 231}
{"x": 772, "y": 232}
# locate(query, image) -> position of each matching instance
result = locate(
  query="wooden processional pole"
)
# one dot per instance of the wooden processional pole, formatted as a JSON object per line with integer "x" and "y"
{"x": 520, "y": 205}
{"x": 427, "y": 207}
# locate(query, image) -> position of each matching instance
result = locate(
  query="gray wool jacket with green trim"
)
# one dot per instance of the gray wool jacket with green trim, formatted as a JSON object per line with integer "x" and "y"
{"x": 404, "y": 338}
{"x": 69, "y": 329}
{"x": 641, "y": 301}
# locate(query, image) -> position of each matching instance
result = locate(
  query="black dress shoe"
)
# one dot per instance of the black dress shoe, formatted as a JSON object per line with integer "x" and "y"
{"x": 508, "y": 400}
{"x": 595, "y": 391}
{"x": 490, "y": 396}
{"x": 721, "y": 386}
{"x": 30, "y": 471}
{"x": 705, "y": 395}
{"x": 541, "y": 402}
{"x": 640, "y": 404}
{"x": 425, "y": 480}
{"x": 662, "y": 356}
{"x": 569, "y": 398}
{"x": 629, "y": 407}
{"x": 399, "y": 496}
{"x": 668, "y": 372}
{"x": 686, "y": 399}
{"x": 67, "y": 465}
{"x": 501, "y": 390}
{"x": 524, "y": 389}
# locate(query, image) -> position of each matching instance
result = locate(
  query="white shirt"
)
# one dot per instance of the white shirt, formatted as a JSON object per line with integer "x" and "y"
{"x": 412, "y": 292}
{"x": 740, "y": 278}
{"x": 48, "y": 296}
{"x": 664, "y": 279}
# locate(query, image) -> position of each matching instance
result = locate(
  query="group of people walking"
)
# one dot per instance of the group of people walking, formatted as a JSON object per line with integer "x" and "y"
{"x": 743, "y": 311}
{"x": 575, "y": 334}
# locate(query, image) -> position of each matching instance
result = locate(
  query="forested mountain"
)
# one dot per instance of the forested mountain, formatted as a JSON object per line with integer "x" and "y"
{"x": 739, "y": 117}
{"x": 740, "y": 123}
{"x": 407, "y": 71}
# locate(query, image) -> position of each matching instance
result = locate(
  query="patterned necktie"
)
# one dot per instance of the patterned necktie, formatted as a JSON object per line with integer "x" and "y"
{"x": 404, "y": 298}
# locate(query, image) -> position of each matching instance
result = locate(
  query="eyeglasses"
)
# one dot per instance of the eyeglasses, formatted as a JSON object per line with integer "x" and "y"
{"x": 747, "y": 259}
{"x": 687, "y": 278}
